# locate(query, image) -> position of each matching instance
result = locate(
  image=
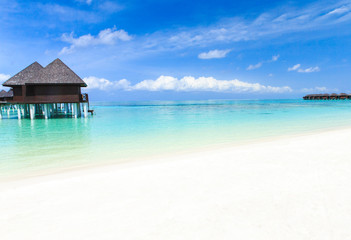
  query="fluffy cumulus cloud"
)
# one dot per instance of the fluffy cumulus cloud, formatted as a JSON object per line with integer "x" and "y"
{"x": 298, "y": 68}
{"x": 104, "y": 84}
{"x": 258, "y": 65}
{"x": 3, "y": 78}
{"x": 108, "y": 36}
{"x": 169, "y": 83}
{"x": 214, "y": 54}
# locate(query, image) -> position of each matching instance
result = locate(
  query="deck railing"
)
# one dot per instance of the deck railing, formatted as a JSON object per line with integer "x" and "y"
{"x": 84, "y": 97}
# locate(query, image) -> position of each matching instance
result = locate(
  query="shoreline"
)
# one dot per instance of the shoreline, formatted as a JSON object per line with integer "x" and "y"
{"x": 291, "y": 188}
{"x": 164, "y": 156}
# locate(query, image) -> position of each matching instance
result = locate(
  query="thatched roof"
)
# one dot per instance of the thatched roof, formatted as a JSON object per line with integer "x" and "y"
{"x": 58, "y": 73}
{"x": 9, "y": 93}
{"x": 55, "y": 73}
{"x": 24, "y": 76}
{"x": 4, "y": 94}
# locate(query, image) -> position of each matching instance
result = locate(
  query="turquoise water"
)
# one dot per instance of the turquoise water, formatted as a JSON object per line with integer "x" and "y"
{"x": 124, "y": 131}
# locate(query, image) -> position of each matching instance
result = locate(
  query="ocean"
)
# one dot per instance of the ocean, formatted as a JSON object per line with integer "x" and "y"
{"x": 129, "y": 131}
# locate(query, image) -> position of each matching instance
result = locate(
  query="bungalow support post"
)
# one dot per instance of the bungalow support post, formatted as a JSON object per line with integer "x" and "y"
{"x": 32, "y": 111}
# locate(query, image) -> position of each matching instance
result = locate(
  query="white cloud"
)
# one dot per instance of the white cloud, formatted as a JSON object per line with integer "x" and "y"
{"x": 3, "y": 78}
{"x": 269, "y": 24}
{"x": 319, "y": 90}
{"x": 108, "y": 36}
{"x": 281, "y": 18}
{"x": 252, "y": 67}
{"x": 189, "y": 83}
{"x": 298, "y": 68}
{"x": 294, "y": 68}
{"x": 104, "y": 84}
{"x": 110, "y": 6}
{"x": 275, "y": 58}
{"x": 205, "y": 84}
{"x": 314, "y": 90}
{"x": 339, "y": 10}
{"x": 85, "y": 1}
{"x": 68, "y": 14}
{"x": 214, "y": 54}
{"x": 258, "y": 65}
{"x": 309, "y": 70}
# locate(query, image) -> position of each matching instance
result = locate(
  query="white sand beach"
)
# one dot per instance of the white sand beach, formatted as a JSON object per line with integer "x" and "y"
{"x": 287, "y": 188}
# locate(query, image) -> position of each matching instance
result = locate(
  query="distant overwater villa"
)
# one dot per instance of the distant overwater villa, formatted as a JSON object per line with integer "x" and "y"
{"x": 38, "y": 92}
{"x": 326, "y": 96}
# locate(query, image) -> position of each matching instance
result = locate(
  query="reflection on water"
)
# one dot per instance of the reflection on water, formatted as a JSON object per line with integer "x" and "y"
{"x": 125, "y": 130}
{"x": 40, "y": 143}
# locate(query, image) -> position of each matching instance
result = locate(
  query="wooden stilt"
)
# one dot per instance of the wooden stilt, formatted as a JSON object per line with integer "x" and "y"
{"x": 19, "y": 115}
{"x": 66, "y": 108}
{"x": 75, "y": 109}
{"x": 85, "y": 109}
{"x": 46, "y": 111}
{"x": 32, "y": 111}
{"x": 79, "y": 110}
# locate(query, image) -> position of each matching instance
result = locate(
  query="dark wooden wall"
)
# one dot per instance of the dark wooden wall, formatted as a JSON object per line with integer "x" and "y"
{"x": 17, "y": 94}
{"x": 47, "y": 94}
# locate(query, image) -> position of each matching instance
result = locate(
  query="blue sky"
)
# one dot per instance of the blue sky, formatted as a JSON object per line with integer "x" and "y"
{"x": 180, "y": 50}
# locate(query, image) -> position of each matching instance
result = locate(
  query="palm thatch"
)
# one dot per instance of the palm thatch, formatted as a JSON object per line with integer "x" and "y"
{"x": 4, "y": 94}
{"x": 58, "y": 73}
{"x": 55, "y": 73}
{"x": 9, "y": 94}
{"x": 24, "y": 76}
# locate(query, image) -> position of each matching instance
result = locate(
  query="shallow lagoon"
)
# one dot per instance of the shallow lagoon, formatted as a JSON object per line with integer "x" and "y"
{"x": 124, "y": 131}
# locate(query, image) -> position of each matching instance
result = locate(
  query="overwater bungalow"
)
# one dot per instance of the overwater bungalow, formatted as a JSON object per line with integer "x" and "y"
{"x": 343, "y": 96}
{"x": 333, "y": 96}
{"x": 51, "y": 91}
{"x": 5, "y": 96}
{"x": 326, "y": 96}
